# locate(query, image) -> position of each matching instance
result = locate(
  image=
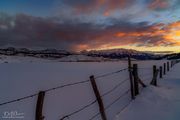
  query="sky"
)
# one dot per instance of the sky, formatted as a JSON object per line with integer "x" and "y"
{"x": 145, "y": 25}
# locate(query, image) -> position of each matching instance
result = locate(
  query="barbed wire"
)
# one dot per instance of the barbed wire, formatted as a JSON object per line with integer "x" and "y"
{"x": 108, "y": 74}
{"x": 125, "y": 107}
{"x": 94, "y": 116}
{"x": 114, "y": 88}
{"x": 66, "y": 85}
{"x": 79, "y": 110}
{"x": 19, "y": 99}
{"x": 117, "y": 99}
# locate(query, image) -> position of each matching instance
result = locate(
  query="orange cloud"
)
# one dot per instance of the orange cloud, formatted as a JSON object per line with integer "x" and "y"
{"x": 172, "y": 33}
{"x": 120, "y": 34}
{"x": 177, "y": 33}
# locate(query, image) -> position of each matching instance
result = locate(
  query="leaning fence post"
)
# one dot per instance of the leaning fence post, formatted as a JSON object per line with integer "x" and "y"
{"x": 135, "y": 74}
{"x": 167, "y": 66}
{"x": 164, "y": 68}
{"x": 98, "y": 97}
{"x": 130, "y": 77}
{"x": 39, "y": 105}
{"x": 160, "y": 69}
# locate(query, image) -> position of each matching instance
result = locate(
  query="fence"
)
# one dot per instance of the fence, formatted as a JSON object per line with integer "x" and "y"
{"x": 134, "y": 80}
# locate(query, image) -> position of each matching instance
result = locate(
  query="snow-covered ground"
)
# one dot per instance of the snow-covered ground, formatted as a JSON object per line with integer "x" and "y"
{"x": 70, "y": 58}
{"x": 83, "y": 58}
{"x": 25, "y": 76}
{"x": 157, "y": 103}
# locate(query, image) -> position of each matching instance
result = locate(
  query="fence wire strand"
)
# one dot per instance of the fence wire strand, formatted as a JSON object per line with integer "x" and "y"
{"x": 125, "y": 107}
{"x": 117, "y": 99}
{"x": 108, "y": 74}
{"x": 79, "y": 110}
{"x": 94, "y": 116}
{"x": 66, "y": 85}
{"x": 114, "y": 88}
{"x": 19, "y": 99}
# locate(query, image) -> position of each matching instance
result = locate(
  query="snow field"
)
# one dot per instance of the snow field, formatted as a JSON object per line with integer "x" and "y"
{"x": 24, "y": 78}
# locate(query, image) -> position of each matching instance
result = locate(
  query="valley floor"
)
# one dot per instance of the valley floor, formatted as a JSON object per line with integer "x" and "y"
{"x": 157, "y": 103}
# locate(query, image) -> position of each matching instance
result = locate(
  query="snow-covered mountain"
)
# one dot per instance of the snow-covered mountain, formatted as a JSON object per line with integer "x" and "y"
{"x": 93, "y": 55}
{"x": 47, "y": 53}
{"x": 121, "y": 53}
{"x": 172, "y": 56}
{"x": 51, "y": 54}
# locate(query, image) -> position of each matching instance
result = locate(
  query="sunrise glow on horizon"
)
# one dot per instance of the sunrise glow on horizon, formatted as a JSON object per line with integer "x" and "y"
{"x": 143, "y": 25}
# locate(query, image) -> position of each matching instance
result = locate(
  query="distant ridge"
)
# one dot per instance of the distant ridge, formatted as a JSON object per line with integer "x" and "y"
{"x": 114, "y": 54}
{"x": 121, "y": 53}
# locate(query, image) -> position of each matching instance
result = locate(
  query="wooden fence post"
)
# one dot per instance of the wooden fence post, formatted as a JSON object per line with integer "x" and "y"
{"x": 160, "y": 70}
{"x": 131, "y": 78}
{"x": 135, "y": 74}
{"x": 39, "y": 105}
{"x": 167, "y": 66}
{"x": 98, "y": 97}
{"x": 155, "y": 74}
{"x": 164, "y": 68}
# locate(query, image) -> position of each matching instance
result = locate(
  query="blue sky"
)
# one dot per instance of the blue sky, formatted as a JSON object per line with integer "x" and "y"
{"x": 32, "y": 7}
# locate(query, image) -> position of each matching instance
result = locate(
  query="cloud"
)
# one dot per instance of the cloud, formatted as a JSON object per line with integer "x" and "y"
{"x": 162, "y": 5}
{"x": 109, "y": 7}
{"x": 159, "y": 4}
{"x": 132, "y": 10}
{"x": 103, "y": 7}
{"x": 28, "y": 31}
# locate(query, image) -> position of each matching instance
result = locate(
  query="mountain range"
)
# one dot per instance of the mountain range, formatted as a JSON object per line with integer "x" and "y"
{"x": 107, "y": 54}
